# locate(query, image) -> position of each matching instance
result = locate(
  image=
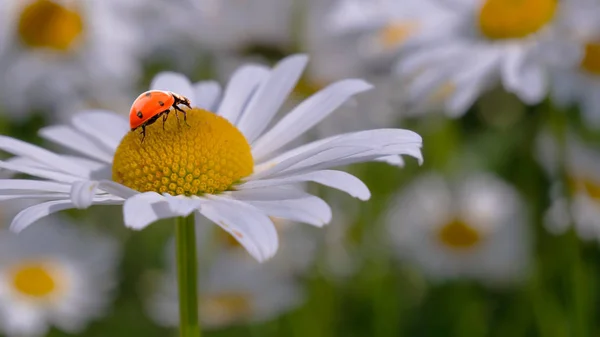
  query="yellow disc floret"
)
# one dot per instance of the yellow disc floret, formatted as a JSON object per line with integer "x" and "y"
{"x": 513, "y": 19}
{"x": 33, "y": 279}
{"x": 47, "y": 24}
{"x": 591, "y": 60}
{"x": 457, "y": 234}
{"x": 208, "y": 155}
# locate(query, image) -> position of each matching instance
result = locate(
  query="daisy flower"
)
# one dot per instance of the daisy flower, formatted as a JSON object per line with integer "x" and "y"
{"x": 54, "y": 275}
{"x": 465, "y": 47}
{"x": 473, "y": 228}
{"x": 577, "y": 203}
{"x": 226, "y": 164}
{"x": 232, "y": 291}
{"x": 240, "y": 24}
{"x": 65, "y": 53}
{"x": 581, "y": 84}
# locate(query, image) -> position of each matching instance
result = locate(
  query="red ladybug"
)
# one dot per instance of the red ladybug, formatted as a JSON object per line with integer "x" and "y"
{"x": 151, "y": 105}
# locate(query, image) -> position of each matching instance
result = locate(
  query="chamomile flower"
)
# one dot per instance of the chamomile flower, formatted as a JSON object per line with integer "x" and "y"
{"x": 465, "y": 47}
{"x": 62, "y": 54}
{"x": 54, "y": 275}
{"x": 223, "y": 25}
{"x": 474, "y": 228}
{"x": 226, "y": 165}
{"x": 576, "y": 203}
{"x": 233, "y": 290}
{"x": 581, "y": 83}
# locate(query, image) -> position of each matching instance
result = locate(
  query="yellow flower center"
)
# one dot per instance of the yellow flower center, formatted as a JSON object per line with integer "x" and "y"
{"x": 209, "y": 155}
{"x": 512, "y": 19}
{"x": 591, "y": 60}
{"x": 225, "y": 309}
{"x": 33, "y": 279}
{"x": 459, "y": 235}
{"x": 46, "y": 24}
{"x": 585, "y": 185}
{"x": 395, "y": 33}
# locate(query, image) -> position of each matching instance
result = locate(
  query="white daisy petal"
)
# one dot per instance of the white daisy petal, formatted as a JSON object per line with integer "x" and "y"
{"x": 71, "y": 139}
{"x": 207, "y": 94}
{"x": 117, "y": 189}
{"x": 268, "y": 194}
{"x": 342, "y": 150}
{"x": 249, "y": 226}
{"x": 270, "y": 96}
{"x": 306, "y": 115}
{"x": 181, "y": 205}
{"x": 35, "y": 196}
{"x": 43, "y": 156}
{"x": 241, "y": 87}
{"x": 335, "y": 179}
{"x": 82, "y": 193}
{"x": 392, "y": 160}
{"x": 39, "y": 172}
{"x": 13, "y": 185}
{"x": 175, "y": 82}
{"x": 104, "y": 127}
{"x": 523, "y": 78}
{"x": 142, "y": 209}
{"x": 309, "y": 209}
{"x": 31, "y": 214}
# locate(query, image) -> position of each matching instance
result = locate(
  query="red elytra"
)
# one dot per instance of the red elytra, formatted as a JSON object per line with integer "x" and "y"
{"x": 149, "y": 106}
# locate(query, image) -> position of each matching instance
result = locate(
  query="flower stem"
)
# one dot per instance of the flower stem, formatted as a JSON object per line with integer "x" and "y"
{"x": 185, "y": 240}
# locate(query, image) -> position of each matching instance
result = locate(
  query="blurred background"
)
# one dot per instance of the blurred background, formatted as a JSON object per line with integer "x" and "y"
{"x": 496, "y": 234}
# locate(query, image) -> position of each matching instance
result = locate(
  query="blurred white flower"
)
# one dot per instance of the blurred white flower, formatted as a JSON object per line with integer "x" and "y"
{"x": 228, "y": 166}
{"x": 62, "y": 54}
{"x": 232, "y": 289}
{"x": 54, "y": 275}
{"x": 576, "y": 201}
{"x": 464, "y": 47}
{"x": 473, "y": 228}
{"x": 581, "y": 83}
{"x": 219, "y": 25}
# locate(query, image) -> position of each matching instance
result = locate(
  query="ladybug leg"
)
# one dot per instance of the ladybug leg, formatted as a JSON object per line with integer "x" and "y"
{"x": 143, "y": 132}
{"x": 165, "y": 115}
{"x": 178, "y": 109}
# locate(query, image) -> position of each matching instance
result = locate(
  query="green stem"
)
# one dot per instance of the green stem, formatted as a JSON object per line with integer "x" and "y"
{"x": 185, "y": 241}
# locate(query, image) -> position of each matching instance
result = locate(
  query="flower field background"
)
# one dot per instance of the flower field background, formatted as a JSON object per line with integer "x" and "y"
{"x": 495, "y": 234}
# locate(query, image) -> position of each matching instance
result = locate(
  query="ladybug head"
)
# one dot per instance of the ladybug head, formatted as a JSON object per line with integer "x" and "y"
{"x": 179, "y": 99}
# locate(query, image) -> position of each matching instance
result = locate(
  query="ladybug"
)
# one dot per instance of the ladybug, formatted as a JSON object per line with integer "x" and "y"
{"x": 151, "y": 105}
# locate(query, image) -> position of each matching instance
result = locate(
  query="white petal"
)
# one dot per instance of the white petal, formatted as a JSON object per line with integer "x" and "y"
{"x": 207, "y": 94}
{"x": 175, "y": 82}
{"x": 268, "y": 194}
{"x": 143, "y": 209}
{"x": 336, "y": 179}
{"x": 71, "y": 139}
{"x": 309, "y": 209}
{"x": 39, "y": 172}
{"x": 270, "y": 96}
{"x": 105, "y": 127}
{"x": 35, "y": 196}
{"x": 240, "y": 88}
{"x": 249, "y": 226}
{"x": 523, "y": 77}
{"x": 344, "y": 149}
{"x": 14, "y": 185}
{"x": 117, "y": 189}
{"x": 43, "y": 156}
{"x": 392, "y": 160}
{"x": 306, "y": 115}
{"x": 31, "y": 214}
{"x": 181, "y": 205}
{"x": 83, "y": 192}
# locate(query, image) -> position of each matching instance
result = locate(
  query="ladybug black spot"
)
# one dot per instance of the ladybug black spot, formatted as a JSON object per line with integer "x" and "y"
{"x": 148, "y": 94}
{"x": 139, "y": 114}
{"x": 161, "y": 103}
